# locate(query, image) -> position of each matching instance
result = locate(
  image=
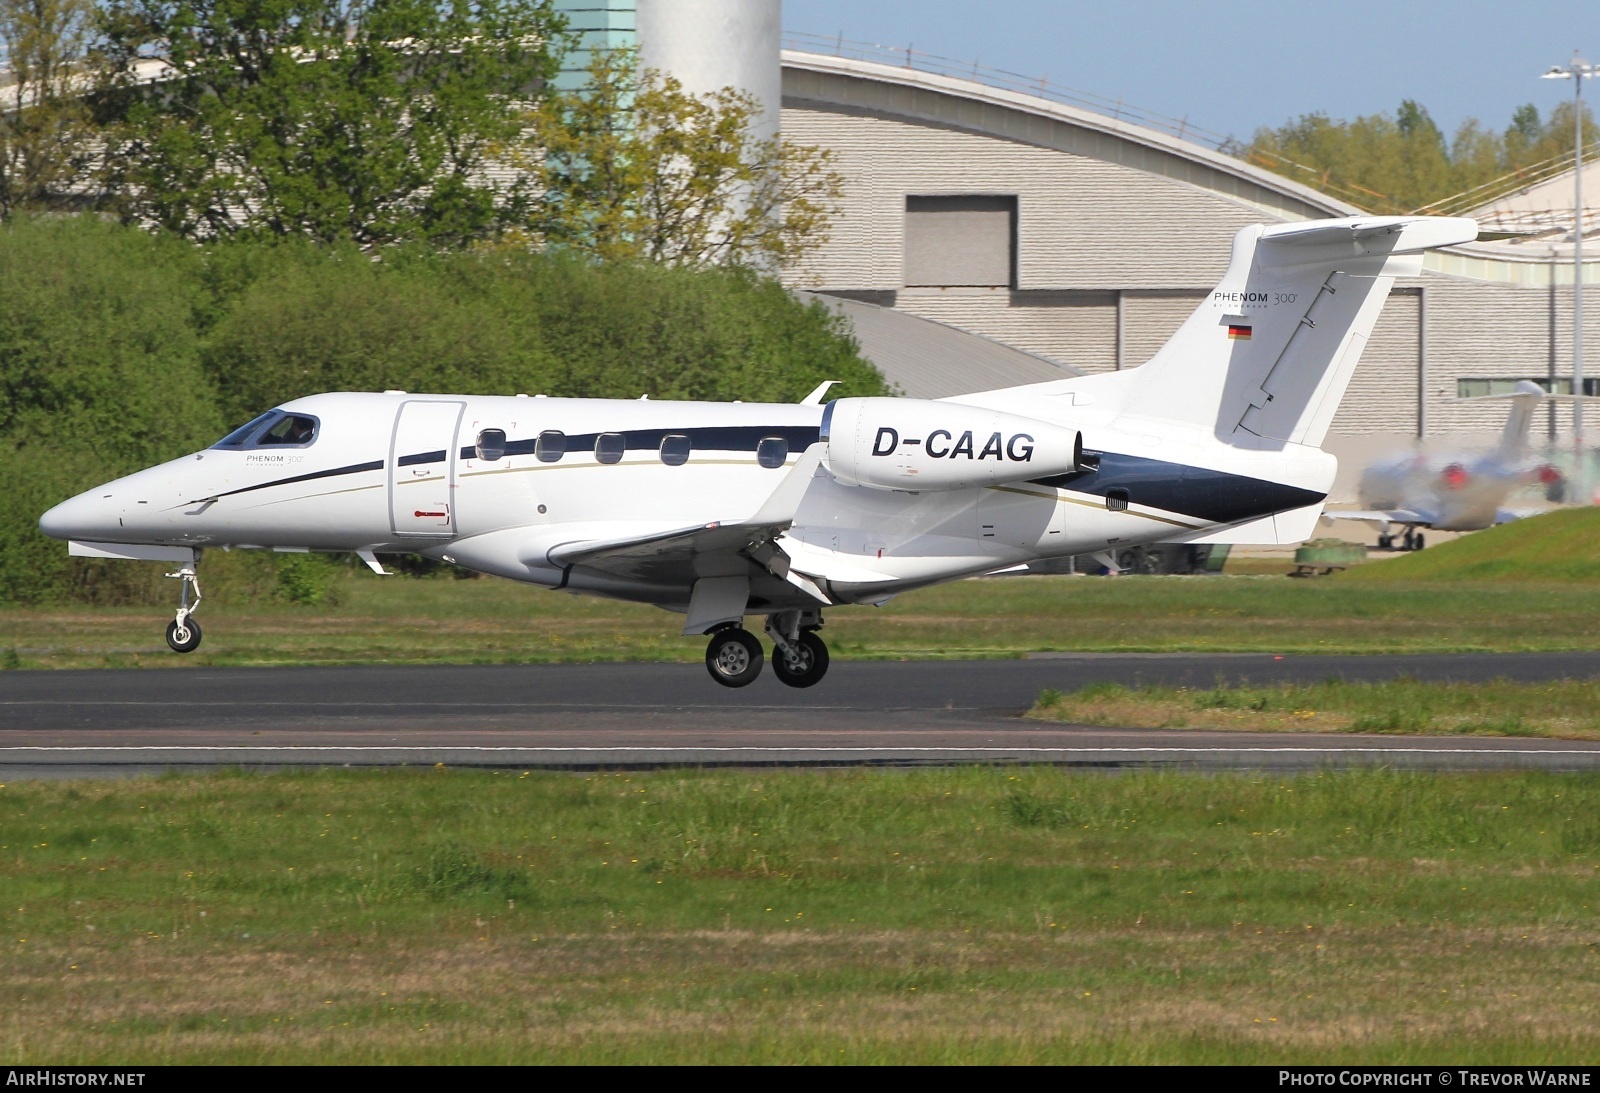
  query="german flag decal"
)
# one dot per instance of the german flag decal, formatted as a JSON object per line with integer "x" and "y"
{"x": 1239, "y": 331}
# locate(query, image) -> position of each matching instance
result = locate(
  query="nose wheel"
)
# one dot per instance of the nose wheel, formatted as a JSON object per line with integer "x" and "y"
{"x": 184, "y": 637}
{"x": 183, "y": 632}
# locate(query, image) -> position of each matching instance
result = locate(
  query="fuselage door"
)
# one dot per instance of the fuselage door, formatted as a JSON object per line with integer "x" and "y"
{"x": 422, "y": 468}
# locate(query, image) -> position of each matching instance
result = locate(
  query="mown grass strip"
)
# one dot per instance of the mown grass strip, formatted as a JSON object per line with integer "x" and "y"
{"x": 490, "y": 621}
{"x": 1564, "y": 709}
{"x": 984, "y": 915}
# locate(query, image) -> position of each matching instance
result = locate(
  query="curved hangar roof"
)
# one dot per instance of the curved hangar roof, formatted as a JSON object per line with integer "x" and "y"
{"x": 832, "y": 83}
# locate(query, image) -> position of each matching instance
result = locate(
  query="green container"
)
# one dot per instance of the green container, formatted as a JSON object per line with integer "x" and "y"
{"x": 1326, "y": 555}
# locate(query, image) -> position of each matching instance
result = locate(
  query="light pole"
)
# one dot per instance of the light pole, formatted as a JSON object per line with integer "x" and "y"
{"x": 1576, "y": 70}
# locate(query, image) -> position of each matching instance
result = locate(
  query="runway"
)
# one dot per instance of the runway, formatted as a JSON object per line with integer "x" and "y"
{"x": 110, "y": 723}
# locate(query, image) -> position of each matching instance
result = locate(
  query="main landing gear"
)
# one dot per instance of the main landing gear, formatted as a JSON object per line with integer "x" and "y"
{"x": 799, "y": 657}
{"x": 1411, "y": 540}
{"x": 183, "y": 632}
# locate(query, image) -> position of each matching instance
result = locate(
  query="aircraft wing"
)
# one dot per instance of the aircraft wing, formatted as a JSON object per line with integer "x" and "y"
{"x": 1505, "y": 516}
{"x": 1382, "y": 516}
{"x": 717, "y": 548}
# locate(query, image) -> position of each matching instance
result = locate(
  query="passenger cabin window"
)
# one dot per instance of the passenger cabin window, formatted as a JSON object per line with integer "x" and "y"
{"x": 289, "y": 431}
{"x": 551, "y": 446}
{"x": 609, "y": 447}
{"x": 772, "y": 451}
{"x": 491, "y": 444}
{"x": 1117, "y": 500}
{"x": 675, "y": 450}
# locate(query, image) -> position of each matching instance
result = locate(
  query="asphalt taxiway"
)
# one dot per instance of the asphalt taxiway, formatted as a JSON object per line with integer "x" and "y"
{"x": 107, "y": 723}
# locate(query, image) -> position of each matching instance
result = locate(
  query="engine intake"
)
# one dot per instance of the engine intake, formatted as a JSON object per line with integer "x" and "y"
{"x": 917, "y": 444}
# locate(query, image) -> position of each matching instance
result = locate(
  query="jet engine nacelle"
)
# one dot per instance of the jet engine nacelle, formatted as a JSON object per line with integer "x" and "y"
{"x": 915, "y": 444}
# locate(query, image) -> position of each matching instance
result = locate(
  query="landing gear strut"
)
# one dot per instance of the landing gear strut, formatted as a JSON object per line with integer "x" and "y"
{"x": 183, "y": 632}
{"x": 799, "y": 657}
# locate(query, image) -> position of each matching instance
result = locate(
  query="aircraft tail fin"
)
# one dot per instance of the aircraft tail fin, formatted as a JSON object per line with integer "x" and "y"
{"x": 1524, "y": 401}
{"x": 1265, "y": 358}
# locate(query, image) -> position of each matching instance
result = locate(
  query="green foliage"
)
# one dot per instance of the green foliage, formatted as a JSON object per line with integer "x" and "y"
{"x": 46, "y": 140}
{"x": 99, "y": 376}
{"x": 306, "y": 579}
{"x": 633, "y": 166}
{"x": 120, "y": 349}
{"x": 1401, "y": 162}
{"x": 303, "y": 319}
{"x": 369, "y": 122}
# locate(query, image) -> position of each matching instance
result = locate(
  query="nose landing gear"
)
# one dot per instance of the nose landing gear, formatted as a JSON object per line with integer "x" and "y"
{"x": 183, "y": 632}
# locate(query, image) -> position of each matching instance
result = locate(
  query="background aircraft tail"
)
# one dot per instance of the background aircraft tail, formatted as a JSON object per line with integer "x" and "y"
{"x": 1265, "y": 358}
{"x": 1514, "y": 440}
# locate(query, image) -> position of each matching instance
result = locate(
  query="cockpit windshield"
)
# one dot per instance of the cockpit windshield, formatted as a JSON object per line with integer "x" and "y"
{"x": 273, "y": 429}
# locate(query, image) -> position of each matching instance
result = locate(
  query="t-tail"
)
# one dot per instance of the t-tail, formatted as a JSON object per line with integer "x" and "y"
{"x": 1524, "y": 401}
{"x": 1265, "y": 359}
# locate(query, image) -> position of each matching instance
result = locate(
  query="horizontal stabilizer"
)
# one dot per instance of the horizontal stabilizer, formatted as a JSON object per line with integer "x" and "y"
{"x": 1384, "y": 517}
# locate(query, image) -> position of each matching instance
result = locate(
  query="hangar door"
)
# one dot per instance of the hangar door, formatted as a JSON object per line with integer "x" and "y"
{"x": 422, "y": 468}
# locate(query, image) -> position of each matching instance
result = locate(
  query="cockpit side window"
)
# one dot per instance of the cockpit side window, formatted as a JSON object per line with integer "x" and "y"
{"x": 273, "y": 429}
{"x": 290, "y": 431}
{"x": 241, "y": 436}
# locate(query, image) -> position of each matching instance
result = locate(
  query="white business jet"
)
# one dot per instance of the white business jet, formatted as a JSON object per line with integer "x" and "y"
{"x": 1461, "y": 491}
{"x": 724, "y": 510}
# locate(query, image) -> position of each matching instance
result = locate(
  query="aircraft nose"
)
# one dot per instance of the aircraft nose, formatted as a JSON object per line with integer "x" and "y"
{"x": 82, "y": 517}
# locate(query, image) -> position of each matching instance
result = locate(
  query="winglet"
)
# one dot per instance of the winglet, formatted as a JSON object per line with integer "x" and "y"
{"x": 815, "y": 397}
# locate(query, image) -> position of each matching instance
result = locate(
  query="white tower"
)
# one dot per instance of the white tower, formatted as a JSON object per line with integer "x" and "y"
{"x": 712, "y": 44}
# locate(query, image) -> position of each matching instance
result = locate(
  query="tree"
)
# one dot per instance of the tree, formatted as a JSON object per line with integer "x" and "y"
{"x": 633, "y": 166}
{"x": 362, "y": 120}
{"x": 45, "y": 135}
{"x": 1402, "y": 163}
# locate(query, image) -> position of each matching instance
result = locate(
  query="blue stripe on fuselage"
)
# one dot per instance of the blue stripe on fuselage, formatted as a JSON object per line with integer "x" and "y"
{"x": 1217, "y": 497}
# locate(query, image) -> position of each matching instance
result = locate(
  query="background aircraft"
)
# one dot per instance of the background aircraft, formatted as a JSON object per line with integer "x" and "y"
{"x": 1460, "y": 491}
{"x": 723, "y": 510}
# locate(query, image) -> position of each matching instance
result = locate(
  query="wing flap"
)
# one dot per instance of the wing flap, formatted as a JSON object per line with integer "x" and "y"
{"x": 683, "y": 555}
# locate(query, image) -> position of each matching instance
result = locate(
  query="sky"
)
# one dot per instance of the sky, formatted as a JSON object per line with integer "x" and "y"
{"x": 1231, "y": 66}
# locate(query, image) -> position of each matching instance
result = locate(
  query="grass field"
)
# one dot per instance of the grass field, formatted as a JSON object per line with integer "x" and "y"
{"x": 1527, "y": 586}
{"x": 1564, "y": 709}
{"x": 403, "y": 620}
{"x": 1519, "y": 588}
{"x": 983, "y": 915}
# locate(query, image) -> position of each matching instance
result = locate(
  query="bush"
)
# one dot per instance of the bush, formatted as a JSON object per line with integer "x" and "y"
{"x": 99, "y": 376}
{"x": 119, "y": 349}
{"x": 307, "y": 579}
